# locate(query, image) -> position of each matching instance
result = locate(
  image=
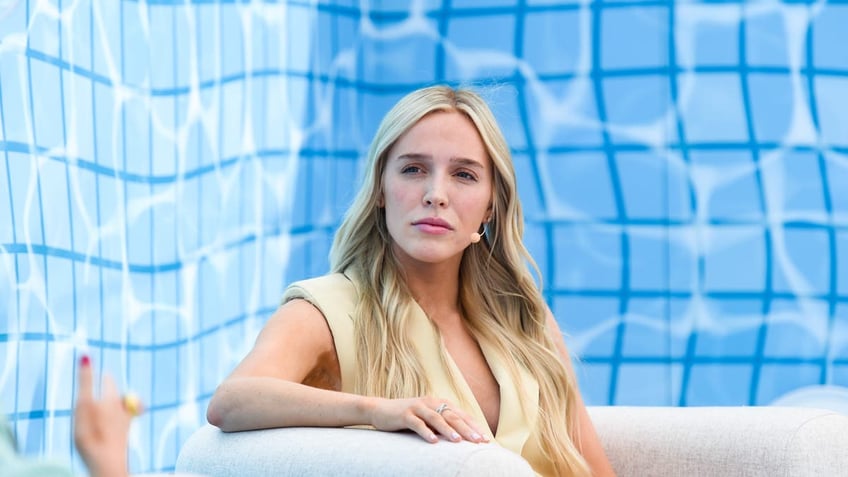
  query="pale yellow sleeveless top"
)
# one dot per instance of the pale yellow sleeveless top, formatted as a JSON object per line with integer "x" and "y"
{"x": 335, "y": 297}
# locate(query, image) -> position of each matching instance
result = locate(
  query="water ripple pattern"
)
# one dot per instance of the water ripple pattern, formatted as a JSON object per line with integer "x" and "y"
{"x": 166, "y": 167}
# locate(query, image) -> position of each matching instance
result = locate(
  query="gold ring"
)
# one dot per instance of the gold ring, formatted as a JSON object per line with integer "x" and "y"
{"x": 132, "y": 404}
{"x": 442, "y": 408}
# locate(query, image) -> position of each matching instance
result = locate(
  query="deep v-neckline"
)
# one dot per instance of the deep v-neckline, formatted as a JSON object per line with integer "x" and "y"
{"x": 466, "y": 387}
{"x": 514, "y": 424}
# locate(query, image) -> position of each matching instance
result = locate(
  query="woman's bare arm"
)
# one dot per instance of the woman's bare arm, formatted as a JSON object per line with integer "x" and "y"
{"x": 267, "y": 389}
{"x": 589, "y": 444}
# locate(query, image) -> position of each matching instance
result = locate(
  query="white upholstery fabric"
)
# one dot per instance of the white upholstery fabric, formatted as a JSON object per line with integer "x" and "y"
{"x": 340, "y": 452}
{"x": 640, "y": 441}
{"x": 723, "y": 441}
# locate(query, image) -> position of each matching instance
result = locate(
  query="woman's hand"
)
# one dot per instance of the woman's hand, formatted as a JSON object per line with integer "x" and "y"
{"x": 426, "y": 416}
{"x": 101, "y": 426}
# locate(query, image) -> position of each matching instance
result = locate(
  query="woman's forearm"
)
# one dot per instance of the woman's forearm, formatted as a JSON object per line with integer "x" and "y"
{"x": 247, "y": 403}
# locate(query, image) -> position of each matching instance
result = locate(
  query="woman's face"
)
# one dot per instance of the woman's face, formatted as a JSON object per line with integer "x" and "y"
{"x": 437, "y": 188}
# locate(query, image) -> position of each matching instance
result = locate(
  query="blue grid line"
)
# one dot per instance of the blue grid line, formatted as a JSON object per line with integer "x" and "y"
{"x": 129, "y": 346}
{"x": 309, "y": 112}
{"x": 48, "y": 413}
{"x": 178, "y": 287}
{"x": 683, "y": 294}
{"x": 199, "y": 201}
{"x": 664, "y": 71}
{"x": 39, "y": 414}
{"x": 220, "y": 148}
{"x": 360, "y": 73}
{"x": 48, "y": 251}
{"x": 828, "y": 203}
{"x": 672, "y": 69}
{"x": 200, "y": 171}
{"x": 455, "y": 11}
{"x": 701, "y": 359}
{"x": 769, "y": 244}
{"x": 439, "y": 57}
{"x": 666, "y": 183}
{"x": 150, "y": 433}
{"x": 96, "y": 156}
{"x": 128, "y": 370}
{"x": 101, "y": 292}
{"x": 824, "y": 224}
{"x": 621, "y": 213}
{"x": 533, "y": 152}
{"x": 31, "y": 103}
{"x": 394, "y": 88}
{"x": 44, "y": 250}
{"x": 391, "y": 15}
{"x": 70, "y": 433}
{"x": 14, "y": 235}
{"x": 207, "y": 84}
{"x": 685, "y": 149}
{"x": 692, "y": 146}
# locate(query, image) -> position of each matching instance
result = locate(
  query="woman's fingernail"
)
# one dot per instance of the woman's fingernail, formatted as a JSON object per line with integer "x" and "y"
{"x": 454, "y": 436}
{"x": 433, "y": 438}
{"x": 85, "y": 360}
{"x": 475, "y": 436}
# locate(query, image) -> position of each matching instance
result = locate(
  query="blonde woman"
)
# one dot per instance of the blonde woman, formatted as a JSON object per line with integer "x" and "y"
{"x": 431, "y": 321}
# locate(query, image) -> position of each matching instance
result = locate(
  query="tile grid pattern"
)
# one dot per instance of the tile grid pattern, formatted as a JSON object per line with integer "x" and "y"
{"x": 166, "y": 168}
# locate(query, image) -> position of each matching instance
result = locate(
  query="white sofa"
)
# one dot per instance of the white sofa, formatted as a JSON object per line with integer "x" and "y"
{"x": 640, "y": 441}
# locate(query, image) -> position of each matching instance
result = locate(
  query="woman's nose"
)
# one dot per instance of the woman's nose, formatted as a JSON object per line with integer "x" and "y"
{"x": 435, "y": 194}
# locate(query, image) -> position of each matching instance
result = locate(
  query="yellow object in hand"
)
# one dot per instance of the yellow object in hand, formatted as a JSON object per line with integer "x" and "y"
{"x": 132, "y": 404}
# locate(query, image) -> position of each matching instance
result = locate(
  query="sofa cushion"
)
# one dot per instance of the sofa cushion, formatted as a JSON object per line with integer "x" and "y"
{"x": 340, "y": 452}
{"x": 714, "y": 441}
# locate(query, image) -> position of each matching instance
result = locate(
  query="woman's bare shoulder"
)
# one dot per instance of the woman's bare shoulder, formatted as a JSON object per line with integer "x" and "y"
{"x": 294, "y": 343}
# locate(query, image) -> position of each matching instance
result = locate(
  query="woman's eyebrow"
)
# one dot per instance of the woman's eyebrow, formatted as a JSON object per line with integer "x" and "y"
{"x": 465, "y": 161}
{"x": 415, "y": 155}
{"x": 458, "y": 160}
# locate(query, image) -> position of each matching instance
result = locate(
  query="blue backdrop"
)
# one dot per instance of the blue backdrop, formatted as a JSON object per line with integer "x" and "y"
{"x": 167, "y": 167}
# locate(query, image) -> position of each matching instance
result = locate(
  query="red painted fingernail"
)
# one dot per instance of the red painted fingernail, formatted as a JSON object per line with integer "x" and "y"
{"x": 84, "y": 360}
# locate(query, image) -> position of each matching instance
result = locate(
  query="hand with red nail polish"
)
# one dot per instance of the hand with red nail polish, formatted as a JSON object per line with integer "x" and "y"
{"x": 101, "y": 426}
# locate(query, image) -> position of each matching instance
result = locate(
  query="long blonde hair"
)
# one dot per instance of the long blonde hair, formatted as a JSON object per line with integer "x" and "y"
{"x": 499, "y": 299}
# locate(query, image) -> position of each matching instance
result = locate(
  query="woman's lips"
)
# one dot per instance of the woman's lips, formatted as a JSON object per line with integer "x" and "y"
{"x": 432, "y": 225}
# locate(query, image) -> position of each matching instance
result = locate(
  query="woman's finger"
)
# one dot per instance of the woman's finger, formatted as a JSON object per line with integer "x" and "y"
{"x": 85, "y": 386}
{"x": 461, "y": 425}
{"x": 109, "y": 390}
{"x": 435, "y": 419}
{"x": 418, "y": 426}
{"x": 475, "y": 432}
{"x": 453, "y": 423}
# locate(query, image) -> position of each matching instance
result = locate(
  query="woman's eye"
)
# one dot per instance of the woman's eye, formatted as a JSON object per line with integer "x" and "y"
{"x": 410, "y": 170}
{"x": 466, "y": 175}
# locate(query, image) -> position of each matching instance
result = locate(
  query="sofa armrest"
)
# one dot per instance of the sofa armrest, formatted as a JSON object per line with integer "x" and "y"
{"x": 639, "y": 441}
{"x": 339, "y": 452}
{"x": 714, "y": 441}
